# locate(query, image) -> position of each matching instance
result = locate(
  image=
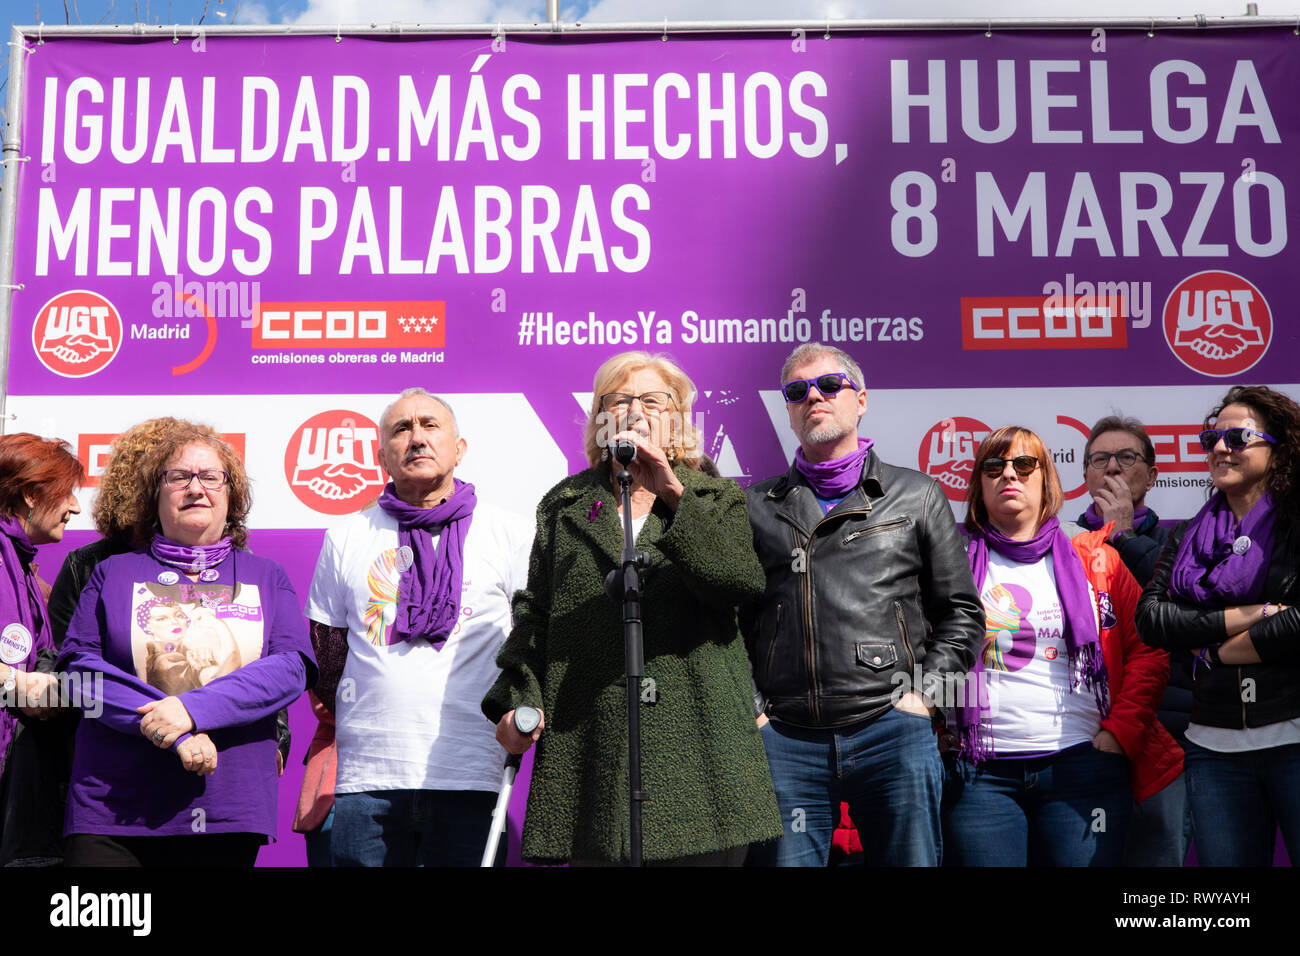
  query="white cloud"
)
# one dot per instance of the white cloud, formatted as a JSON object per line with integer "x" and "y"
{"x": 420, "y": 11}
{"x": 627, "y": 11}
{"x": 252, "y": 13}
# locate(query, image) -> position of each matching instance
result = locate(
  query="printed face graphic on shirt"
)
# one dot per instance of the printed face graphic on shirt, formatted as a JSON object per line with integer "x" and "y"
{"x": 186, "y": 635}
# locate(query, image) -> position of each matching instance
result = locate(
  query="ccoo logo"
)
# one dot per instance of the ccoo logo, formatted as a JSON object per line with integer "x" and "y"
{"x": 77, "y": 333}
{"x": 947, "y": 453}
{"x": 1217, "y": 323}
{"x": 332, "y": 462}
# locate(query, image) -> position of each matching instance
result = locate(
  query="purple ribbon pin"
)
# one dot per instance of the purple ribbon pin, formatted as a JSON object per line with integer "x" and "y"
{"x": 595, "y": 510}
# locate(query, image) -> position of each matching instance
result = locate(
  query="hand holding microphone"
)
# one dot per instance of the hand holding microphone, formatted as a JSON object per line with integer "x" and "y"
{"x": 648, "y": 465}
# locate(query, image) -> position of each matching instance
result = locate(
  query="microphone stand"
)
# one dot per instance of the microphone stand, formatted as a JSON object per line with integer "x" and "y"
{"x": 626, "y": 583}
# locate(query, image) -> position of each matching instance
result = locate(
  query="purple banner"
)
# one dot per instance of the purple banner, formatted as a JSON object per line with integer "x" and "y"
{"x": 275, "y": 234}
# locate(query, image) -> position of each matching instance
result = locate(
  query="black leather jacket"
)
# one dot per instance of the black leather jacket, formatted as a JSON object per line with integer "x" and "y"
{"x": 1221, "y": 696}
{"x": 859, "y": 598}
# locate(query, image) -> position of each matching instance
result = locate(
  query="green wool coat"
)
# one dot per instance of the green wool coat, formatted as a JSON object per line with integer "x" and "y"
{"x": 704, "y": 769}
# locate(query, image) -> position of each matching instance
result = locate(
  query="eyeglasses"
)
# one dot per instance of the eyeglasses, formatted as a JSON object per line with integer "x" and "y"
{"x": 650, "y": 401}
{"x": 1235, "y": 438}
{"x": 178, "y": 478}
{"x": 828, "y": 384}
{"x": 1023, "y": 464}
{"x": 1126, "y": 458}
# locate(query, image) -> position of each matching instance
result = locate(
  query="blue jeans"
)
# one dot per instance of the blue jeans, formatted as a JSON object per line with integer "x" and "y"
{"x": 888, "y": 771}
{"x": 1066, "y": 809}
{"x": 318, "y": 842}
{"x": 411, "y": 827}
{"x": 1160, "y": 830}
{"x": 1239, "y": 800}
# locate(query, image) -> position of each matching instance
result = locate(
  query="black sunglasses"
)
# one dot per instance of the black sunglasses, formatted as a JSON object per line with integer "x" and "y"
{"x": 828, "y": 384}
{"x": 1235, "y": 438}
{"x": 1023, "y": 464}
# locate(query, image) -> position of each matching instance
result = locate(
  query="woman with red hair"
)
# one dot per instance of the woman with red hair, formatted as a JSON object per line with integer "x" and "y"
{"x": 37, "y": 479}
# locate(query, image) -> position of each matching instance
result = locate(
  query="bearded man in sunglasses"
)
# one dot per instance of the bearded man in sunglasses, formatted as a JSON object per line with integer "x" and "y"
{"x": 869, "y": 614}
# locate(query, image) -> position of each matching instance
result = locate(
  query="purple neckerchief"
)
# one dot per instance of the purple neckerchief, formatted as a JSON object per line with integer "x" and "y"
{"x": 1209, "y": 570}
{"x": 428, "y": 597}
{"x": 837, "y": 477}
{"x": 1094, "y": 522}
{"x": 187, "y": 558}
{"x": 21, "y": 602}
{"x": 1082, "y": 639}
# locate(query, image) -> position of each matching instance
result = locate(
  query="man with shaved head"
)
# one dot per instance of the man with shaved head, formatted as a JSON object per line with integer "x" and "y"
{"x": 408, "y": 606}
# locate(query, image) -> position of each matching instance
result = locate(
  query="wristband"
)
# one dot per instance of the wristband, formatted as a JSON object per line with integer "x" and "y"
{"x": 1212, "y": 652}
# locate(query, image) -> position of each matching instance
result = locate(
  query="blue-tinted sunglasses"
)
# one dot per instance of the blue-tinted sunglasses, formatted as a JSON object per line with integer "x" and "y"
{"x": 828, "y": 384}
{"x": 1235, "y": 438}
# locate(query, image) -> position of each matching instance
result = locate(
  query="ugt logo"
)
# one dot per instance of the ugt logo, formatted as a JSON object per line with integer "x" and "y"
{"x": 947, "y": 453}
{"x": 1217, "y": 323}
{"x": 77, "y": 333}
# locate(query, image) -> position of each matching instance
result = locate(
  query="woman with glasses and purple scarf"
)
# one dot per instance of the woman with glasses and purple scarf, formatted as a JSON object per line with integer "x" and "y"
{"x": 182, "y": 771}
{"x": 1225, "y": 588}
{"x": 1058, "y": 723}
{"x": 705, "y": 772}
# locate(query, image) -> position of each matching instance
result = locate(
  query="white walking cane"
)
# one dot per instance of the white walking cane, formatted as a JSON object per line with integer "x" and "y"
{"x": 526, "y": 721}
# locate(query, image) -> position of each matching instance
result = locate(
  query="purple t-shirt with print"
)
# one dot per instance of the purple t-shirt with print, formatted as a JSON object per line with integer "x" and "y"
{"x": 234, "y": 649}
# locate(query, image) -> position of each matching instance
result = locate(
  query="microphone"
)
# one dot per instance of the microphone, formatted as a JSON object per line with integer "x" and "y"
{"x": 625, "y": 451}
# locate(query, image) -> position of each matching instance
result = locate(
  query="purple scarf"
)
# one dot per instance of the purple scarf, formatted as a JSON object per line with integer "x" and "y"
{"x": 1082, "y": 639}
{"x": 837, "y": 477}
{"x": 428, "y": 597}
{"x": 189, "y": 559}
{"x": 1221, "y": 563}
{"x": 1093, "y": 521}
{"x": 21, "y": 602}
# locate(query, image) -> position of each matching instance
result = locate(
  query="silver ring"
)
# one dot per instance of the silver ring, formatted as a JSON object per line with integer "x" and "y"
{"x": 158, "y": 735}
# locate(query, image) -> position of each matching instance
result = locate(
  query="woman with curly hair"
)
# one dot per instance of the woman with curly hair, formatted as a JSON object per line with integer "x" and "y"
{"x": 114, "y": 515}
{"x": 190, "y": 498}
{"x": 1225, "y": 588}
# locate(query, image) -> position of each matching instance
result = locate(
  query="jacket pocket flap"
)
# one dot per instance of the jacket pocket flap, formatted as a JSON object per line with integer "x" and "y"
{"x": 878, "y": 656}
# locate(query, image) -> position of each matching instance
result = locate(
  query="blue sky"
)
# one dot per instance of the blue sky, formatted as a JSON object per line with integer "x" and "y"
{"x": 620, "y": 11}
{"x": 470, "y": 11}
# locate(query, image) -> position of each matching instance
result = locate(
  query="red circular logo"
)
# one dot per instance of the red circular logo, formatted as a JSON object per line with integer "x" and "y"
{"x": 1217, "y": 323}
{"x": 947, "y": 453}
{"x": 332, "y": 462}
{"x": 77, "y": 333}
{"x": 1050, "y": 653}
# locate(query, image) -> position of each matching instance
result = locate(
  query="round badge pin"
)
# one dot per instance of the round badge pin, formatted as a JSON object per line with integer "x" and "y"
{"x": 15, "y": 643}
{"x": 405, "y": 557}
{"x": 1241, "y": 545}
{"x": 168, "y": 577}
{"x": 209, "y": 574}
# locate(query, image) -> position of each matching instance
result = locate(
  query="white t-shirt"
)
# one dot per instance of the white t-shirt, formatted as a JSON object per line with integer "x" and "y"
{"x": 407, "y": 715}
{"x": 1027, "y": 666}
